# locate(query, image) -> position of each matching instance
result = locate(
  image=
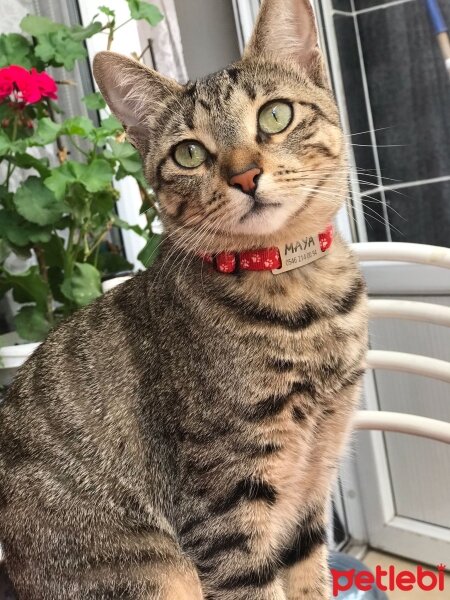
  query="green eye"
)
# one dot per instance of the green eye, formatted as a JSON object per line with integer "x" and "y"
{"x": 275, "y": 117}
{"x": 190, "y": 154}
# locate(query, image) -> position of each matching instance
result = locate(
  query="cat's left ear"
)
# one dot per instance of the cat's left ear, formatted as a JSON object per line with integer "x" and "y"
{"x": 286, "y": 30}
{"x": 134, "y": 93}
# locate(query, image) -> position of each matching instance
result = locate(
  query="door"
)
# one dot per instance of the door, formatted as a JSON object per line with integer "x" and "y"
{"x": 394, "y": 97}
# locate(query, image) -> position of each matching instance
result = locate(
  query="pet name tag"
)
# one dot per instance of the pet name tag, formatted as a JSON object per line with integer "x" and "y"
{"x": 304, "y": 251}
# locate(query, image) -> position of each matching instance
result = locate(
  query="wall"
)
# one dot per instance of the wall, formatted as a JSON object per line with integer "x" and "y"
{"x": 208, "y": 35}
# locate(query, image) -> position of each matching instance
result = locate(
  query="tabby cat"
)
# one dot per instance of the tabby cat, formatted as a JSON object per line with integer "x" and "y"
{"x": 177, "y": 439}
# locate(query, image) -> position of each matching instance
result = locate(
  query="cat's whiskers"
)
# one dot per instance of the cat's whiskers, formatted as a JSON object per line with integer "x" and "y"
{"x": 165, "y": 237}
{"x": 201, "y": 241}
{"x": 189, "y": 254}
{"x": 185, "y": 236}
{"x": 332, "y": 196}
{"x": 368, "y": 131}
{"x": 192, "y": 237}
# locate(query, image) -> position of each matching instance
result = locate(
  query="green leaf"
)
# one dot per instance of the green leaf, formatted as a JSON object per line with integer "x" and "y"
{"x": 5, "y": 286}
{"x": 94, "y": 177}
{"x": 28, "y": 287}
{"x": 57, "y": 44}
{"x": 103, "y": 202}
{"x": 80, "y": 33}
{"x": 150, "y": 251}
{"x": 69, "y": 172}
{"x": 113, "y": 263}
{"x": 27, "y": 161}
{"x": 143, "y": 10}
{"x": 107, "y": 11}
{"x": 35, "y": 25}
{"x": 54, "y": 252}
{"x": 7, "y": 145}
{"x": 5, "y": 251}
{"x": 126, "y": 155}
{"x": 109, "y": 127}
{"x": 55, "y": 280}
{"x": 98, "y": 175}
{"x": 78, "y": 126}
{"x": 59, "y": 49}
{"x": 112, "y": 125}
{"x": 84, "y": 284}
{"x": 94, "y": 101}
{"x": 59, "y": 179}
{"x": 47, "y": 131}
{"x": 6, "y": 197}
{"x": 31, "y": 324}
{"x": 19, "y": 232}
{"x": 15, "y": 49}
{"x": 37, "y": 204}
{"x": 118, "y": 222}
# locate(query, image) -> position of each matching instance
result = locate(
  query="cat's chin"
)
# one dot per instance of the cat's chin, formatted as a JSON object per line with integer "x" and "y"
{"x": 263, "y": 221}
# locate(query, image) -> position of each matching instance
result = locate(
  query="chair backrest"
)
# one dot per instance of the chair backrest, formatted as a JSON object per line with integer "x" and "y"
{"x": 401, "y": 361}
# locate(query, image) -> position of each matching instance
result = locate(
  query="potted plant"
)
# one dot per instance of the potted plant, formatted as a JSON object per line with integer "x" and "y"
{"x": 57, "y": 216}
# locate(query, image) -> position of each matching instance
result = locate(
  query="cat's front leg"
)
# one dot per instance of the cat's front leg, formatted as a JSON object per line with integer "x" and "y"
{"x": 248, "y": 591}
{"x": 93, "y": 561}
{"x": 309, "y": 578}
{"x": 236, "y": 566}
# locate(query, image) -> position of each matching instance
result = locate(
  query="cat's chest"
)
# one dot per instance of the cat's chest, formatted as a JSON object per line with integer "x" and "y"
{"x": 268, "y": 360}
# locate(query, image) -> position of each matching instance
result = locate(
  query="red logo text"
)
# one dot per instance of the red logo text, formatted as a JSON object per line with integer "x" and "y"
{"x": 389, "y": 580}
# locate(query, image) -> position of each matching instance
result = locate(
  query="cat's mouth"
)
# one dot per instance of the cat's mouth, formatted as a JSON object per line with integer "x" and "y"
{"x": 258, "y": 207}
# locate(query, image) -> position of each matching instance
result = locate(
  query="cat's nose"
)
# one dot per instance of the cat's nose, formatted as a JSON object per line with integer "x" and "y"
{"x": 247, "y": 181}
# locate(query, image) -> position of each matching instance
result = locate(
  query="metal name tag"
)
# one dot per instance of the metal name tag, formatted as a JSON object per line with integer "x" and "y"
{"x": 301, "y": 252}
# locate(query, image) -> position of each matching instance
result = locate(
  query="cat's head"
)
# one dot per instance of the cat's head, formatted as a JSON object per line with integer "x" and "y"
{"x": 248, "y": 156}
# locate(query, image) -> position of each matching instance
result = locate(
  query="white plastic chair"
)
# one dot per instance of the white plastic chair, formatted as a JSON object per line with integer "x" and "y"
{"x": 402, "y": 361}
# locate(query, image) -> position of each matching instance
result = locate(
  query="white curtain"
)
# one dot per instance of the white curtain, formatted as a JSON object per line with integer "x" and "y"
{"x": 166, "y": 43}
{"x": 13, "y": 14}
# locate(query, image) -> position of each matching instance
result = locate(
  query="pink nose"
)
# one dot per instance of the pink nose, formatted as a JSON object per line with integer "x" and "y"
{"x": 247, "y": 181}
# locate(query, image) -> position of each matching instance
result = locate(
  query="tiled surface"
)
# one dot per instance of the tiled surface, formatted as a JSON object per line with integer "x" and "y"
{"x": 419, "y": 214}
{"x": 372, "y": 559}
{"x": 342, "y": 5}
{"x": 374, "y": 218}
{"x": 356, "y": 105}
{"x": 409, "y": 91}
{"x": 408, "y": 96}
{"x": 346, "y": 5}
{"x": 423, "y": 214}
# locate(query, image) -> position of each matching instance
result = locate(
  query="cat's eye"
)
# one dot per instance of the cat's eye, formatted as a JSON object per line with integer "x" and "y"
{"x": 275, "y": 117}
{"x": 190, "y": 154}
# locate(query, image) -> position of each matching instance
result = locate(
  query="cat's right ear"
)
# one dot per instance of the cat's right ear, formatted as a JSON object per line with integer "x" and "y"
{"x": 134, "y": 93}
{"x": 286, "y": 30}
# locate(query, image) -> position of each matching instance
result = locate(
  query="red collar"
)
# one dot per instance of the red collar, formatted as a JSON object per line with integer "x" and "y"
{"x": 292, "y": 256}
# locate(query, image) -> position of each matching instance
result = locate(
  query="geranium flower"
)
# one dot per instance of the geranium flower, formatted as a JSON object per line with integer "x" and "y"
{"x": 45, "y": 84}
{"x": 26, "y": 86}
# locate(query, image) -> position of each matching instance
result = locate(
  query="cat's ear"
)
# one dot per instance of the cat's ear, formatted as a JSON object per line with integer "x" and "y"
{"x": 134, "y": 93}
{"x": 286, "y": 30}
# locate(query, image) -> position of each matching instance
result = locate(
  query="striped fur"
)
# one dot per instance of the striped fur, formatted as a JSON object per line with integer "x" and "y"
{"x": 177, "y": 439}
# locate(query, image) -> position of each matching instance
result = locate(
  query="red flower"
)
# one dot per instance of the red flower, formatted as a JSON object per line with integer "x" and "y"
{"x": 25, "y": 86}
{"x": 45, "y": 84}
{"x": 11, "y": 78}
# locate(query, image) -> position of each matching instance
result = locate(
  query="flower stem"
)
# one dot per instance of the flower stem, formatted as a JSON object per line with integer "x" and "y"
{"x": 59, "y": 142}
{"x": 110, "y": 35}
{"x": 98, "y": 241}
{"x": 43, "y": 270}
{"x": 122, "y": 24}
{"x": 75, "y": 145}
{"x": 11, "y": 167}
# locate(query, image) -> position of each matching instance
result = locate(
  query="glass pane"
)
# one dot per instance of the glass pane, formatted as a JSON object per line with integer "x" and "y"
{"x": 398, "y": 92}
